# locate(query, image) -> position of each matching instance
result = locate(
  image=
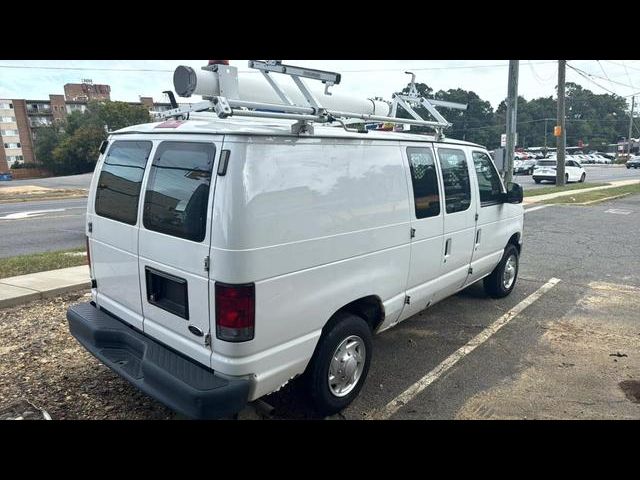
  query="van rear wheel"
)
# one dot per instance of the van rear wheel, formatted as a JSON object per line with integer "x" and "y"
{"x": 503, "y": 278}
{"x": 340, "y": 364}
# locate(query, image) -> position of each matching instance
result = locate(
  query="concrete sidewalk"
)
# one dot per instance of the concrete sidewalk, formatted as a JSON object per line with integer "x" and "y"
{"x": 24, "y": 288}
{"x": 542, "y": 198}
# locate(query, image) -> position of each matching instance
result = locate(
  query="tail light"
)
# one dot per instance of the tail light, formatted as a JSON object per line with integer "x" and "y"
{"x": 235, "y": 312}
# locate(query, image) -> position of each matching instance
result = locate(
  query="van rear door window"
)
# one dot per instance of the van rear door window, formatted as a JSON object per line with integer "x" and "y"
{"x": 118, "y": 191}
{"x": 178, "y": 190}
{"x": 425, "y": 182}
{"x": 455, "y": 176}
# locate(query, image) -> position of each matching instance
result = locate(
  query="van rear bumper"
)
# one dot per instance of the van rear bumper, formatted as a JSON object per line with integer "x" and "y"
{"x": 178, "y": 382}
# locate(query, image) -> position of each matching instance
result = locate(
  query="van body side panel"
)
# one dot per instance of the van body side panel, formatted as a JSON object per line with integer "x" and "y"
{"x": 316, "y": 224}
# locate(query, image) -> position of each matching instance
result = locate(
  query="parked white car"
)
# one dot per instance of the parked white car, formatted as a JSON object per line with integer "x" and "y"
{"x": 546, "y": 170}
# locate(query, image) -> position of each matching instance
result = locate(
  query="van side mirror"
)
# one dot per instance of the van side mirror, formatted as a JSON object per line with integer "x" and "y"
{"x": 514, "y": 193}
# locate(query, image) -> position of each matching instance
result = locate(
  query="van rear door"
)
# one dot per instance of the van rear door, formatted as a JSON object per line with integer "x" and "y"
{"x": 112, "y": 215}
{"x": 175, "y": 236}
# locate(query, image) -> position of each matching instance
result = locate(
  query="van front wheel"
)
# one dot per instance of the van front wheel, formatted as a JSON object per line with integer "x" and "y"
{"x": 340, "y": 364}
{"x": 503, "y": 278}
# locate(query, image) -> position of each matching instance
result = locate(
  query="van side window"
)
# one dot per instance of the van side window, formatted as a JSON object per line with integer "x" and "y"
{"x": 455, "y": 176}
{"x": 178, "y": 190}
{"x": 425, "y": 182}
{"x": 488, "y": 179}
{"x": 118, "y": 190}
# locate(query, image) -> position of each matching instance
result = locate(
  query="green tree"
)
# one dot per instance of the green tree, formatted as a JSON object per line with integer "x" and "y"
{"x": 71, "y": 146}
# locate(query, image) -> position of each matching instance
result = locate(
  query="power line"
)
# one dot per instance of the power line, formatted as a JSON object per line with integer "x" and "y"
{"x": 146, "y": 70}
{"x": 602, "y": 68}
{"x": 584, "y": 74}
{"x": 625, "y": 69}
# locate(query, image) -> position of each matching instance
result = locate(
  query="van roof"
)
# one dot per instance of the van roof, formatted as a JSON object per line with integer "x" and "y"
{"x": 271, "y": 127}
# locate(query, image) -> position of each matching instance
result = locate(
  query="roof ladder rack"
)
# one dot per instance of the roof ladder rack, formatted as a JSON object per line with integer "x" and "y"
{"x": 228, "y": 103}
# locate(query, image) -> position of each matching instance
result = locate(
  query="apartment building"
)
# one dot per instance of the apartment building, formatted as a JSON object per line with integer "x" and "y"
{"x": 21, "y": 119}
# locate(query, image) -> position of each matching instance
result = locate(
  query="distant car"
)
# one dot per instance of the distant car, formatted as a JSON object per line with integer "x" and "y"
{"x": 6, "y": 176}
{"x": 546, "y": 170}
{"x": 633, "y": 162}
{"x": 524, "y": 166}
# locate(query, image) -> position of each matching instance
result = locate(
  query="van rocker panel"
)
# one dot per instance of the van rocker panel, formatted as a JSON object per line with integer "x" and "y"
{"x": 182, "y": 385}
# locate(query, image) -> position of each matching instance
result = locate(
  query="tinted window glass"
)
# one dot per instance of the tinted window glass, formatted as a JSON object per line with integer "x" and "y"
{"x": 488, "y": 179}
{"x": 455, "y": 176}
{"x": 178, "y": 190}
{"x": 118, "y": 190}
{"x": 425, "y": 182}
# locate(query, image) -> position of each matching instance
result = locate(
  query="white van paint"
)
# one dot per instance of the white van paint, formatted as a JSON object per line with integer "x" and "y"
{"x": 315, "y": 222}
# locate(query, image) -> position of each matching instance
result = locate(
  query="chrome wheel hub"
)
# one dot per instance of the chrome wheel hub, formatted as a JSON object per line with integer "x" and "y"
{"x": 347, "y": 364}
{"x": 509, "y": 273}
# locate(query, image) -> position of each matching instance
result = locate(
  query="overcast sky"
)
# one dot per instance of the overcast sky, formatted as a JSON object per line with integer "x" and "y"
{"x": 130, "y": 79}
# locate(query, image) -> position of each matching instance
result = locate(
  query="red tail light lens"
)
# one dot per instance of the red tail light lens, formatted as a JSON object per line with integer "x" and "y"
{"x": 235, "y": 312}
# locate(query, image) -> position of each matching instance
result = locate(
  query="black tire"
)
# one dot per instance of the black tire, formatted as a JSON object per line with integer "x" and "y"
{"x": 537, "y": 180}
{"x": 584, "y": 175}
{"x": 341, "y": 327}
{"x": 629, "y": 166}
{"x": 493, "y": 284}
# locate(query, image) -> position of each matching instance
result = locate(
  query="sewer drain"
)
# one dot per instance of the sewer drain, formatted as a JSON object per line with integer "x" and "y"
{"x": 631, "y": 389}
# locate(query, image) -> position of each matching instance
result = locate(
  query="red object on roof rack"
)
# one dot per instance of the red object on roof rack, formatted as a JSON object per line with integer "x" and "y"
{"x": 218, "y": 62}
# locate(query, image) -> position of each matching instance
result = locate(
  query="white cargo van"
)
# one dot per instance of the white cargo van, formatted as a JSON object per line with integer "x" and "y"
{"x": 229, "y": 257}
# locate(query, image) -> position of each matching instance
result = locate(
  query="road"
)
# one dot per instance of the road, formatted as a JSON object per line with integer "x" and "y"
{"x": 595, "y": 173}
{"x": 71, "y": 181}
{"x": 34, "y": 227}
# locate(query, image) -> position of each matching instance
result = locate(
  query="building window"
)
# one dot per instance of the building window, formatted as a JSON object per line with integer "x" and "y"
{"x": 9, "y": 119}
{"x": 9, "y": 133}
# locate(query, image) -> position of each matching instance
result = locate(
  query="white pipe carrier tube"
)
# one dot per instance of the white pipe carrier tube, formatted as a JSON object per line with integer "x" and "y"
{"x": 188, "y": 81}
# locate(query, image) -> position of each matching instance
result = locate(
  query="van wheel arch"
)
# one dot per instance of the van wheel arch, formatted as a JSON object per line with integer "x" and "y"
{"x": 515, "y": 240}
{"x": 370, "y": 308}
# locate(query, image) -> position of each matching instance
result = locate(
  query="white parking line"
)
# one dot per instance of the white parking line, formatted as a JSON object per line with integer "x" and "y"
{"x": 533, "y": 209}
{"x": 410, "y": 393}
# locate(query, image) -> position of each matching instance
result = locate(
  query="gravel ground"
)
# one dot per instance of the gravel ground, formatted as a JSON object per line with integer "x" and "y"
{"x": 42, "y": 363}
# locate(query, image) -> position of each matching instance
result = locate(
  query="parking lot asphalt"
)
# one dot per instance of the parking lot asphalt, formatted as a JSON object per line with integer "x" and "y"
{"x": 573, "y": 353}
{"x": 594, "y": 174}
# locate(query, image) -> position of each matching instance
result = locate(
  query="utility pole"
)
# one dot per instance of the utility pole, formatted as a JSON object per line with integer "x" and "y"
{"x": 559, "y": 132}
{"x": 545, "y": 136}
{"x": 633, "y": 102}
{"x": 512, "y": 111}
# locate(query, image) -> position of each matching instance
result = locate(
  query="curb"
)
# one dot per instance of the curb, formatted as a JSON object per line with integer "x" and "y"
{"x": 40, "y": 285}
{"x": 603, "y": 199}
{"x": 540, "y": 198}
{"x": 35, "y": 295}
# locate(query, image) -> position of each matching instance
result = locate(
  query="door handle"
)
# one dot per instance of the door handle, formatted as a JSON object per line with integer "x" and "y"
{"x": 478, "y": 237}
{"x": 447, "y": 249}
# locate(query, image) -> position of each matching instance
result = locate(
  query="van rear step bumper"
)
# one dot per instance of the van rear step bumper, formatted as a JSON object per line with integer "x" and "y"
{"x": 181, "y": 384}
